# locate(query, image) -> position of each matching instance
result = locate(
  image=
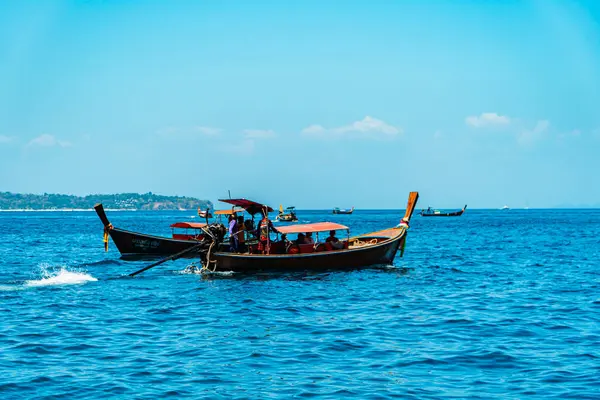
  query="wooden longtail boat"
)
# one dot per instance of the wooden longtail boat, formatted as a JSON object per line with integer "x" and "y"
{"x": 137, "y": 245}
{"x": 436, "y": 213}
{"x": 361, "y": 251}
{"x": 365, "y": 250}
{"x": 340, "y": 211}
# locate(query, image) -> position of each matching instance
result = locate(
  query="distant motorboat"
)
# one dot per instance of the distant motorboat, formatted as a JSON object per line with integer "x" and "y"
{"x": 505, "y": 208}
{"x": 437, "y": 213}
{"x": 342, "y": 211}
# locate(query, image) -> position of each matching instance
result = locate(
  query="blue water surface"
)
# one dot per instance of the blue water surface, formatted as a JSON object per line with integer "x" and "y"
{"x": 493, "y": 304}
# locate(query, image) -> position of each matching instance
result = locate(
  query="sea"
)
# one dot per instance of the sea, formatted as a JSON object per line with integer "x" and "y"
{"x": 496, "y": 304}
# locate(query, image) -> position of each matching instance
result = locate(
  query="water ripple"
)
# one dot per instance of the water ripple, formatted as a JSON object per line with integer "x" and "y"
{"x": 489, "y": 305}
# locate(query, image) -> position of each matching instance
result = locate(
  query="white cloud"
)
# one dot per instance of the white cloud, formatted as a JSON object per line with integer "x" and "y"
{"x": 366, "y": 126}
{"x": 487, "y": 120}
{"x": 259, "y": 133}
{"x": 314, "y": 130}
{"x": 575, "y": 133}
{"x": 243, "y": 147}
{"x": 172, "y": 131}
{"x": 46, "y": 140}
{"x": 207, "y": 130}
{"x": 528, "y": 136}
{"x": 5, "y": 139}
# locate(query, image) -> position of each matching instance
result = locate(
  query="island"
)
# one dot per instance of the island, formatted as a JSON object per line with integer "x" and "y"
{"x": 121, "y": 201}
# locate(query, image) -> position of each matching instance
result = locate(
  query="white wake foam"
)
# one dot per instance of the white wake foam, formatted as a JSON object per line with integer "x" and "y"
{"x": 61, "y": 276}
{"x": 193, "y": 269}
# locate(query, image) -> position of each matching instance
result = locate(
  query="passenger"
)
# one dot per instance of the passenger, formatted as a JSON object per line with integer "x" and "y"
{"x": 265, "y": 227}
{"x": 241, "y": 238}
{"x": 284, "y": 241}
{"x": 249, "y": 227}
{"x": 284, "y": 238}
{"x": 301, "y": 239}
{"x": 334, "y": 241}
{"x": 309, "y": 239}
{"x": 233, "y": 240}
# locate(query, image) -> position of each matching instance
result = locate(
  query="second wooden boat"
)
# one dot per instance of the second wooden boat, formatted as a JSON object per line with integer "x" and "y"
{"x": 437, "y": 213}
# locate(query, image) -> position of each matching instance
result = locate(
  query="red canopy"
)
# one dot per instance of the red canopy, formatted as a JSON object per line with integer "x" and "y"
{"x": 192, "y": 225}
{"x": 250, "y": 206}
{"x": 316, "y": 227}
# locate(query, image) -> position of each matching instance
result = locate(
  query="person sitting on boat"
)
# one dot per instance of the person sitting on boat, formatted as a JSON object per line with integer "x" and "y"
{"x": 284, "y": 238}
{"x": 301, "y": 239}
{"x": 233, "y": 239}
{"x": 309, "y": 239}
{"x": 284, "y": 242}
{"x": 334, "y": 241}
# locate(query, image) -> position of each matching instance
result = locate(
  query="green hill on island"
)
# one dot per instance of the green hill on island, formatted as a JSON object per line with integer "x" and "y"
{"x": 129, "y": 201}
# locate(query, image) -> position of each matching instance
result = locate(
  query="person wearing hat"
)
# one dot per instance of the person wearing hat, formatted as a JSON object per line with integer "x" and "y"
{"x": 265, "y": 227}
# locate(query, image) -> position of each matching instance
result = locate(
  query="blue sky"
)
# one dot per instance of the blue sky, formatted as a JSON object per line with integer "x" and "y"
{"x": 315, "y": 104}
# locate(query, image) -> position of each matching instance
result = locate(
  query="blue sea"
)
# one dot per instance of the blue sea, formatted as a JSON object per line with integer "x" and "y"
{"x": 493, "y": 304}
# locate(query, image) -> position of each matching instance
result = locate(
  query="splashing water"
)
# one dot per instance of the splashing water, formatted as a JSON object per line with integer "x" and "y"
{"x": 59, "y": 276}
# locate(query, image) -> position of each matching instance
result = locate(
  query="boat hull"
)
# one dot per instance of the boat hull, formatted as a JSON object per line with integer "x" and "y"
{"x": 451, "y": 214}
{"x": 375, "y": 254}
{"x": 286, "y": 218}
{"x": 135, "y": 245}
{"x": 447, "y": 214}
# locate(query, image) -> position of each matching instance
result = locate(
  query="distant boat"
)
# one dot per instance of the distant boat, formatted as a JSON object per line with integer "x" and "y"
{"x": 437, "y": 213}
{"x": 290, "y": 216}
{"x": 343, "y": 211}
{"x": 505, "y": 208}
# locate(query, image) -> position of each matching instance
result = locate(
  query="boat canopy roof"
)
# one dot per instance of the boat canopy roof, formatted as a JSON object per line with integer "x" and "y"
{"x": 228, "y": 212}
{"x": 192, "y": 225}
{"x": 316, "y": 227}
{"x": 250, "y": 206}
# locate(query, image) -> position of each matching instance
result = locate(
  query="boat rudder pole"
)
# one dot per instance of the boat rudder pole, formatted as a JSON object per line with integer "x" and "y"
{"x": 173, "y": 257}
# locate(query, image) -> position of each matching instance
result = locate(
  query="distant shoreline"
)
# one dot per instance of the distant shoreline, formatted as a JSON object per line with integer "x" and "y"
{"x": 66, "y": 209}
{"x": 18, "y": 202}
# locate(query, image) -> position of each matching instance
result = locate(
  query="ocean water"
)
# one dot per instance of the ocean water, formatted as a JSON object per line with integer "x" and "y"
{"x": 493, "y": 304}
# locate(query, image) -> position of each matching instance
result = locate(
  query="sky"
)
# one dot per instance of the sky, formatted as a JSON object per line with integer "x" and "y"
{"x": 316, "y": 104}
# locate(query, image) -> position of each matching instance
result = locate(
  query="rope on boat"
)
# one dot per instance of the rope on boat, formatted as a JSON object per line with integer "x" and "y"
{"x": 107, "y": 229}
{"x": 360, "y": 243}
{"x": 206, "y": 265}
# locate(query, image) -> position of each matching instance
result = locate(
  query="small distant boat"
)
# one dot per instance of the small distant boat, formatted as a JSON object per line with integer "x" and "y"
{"x": 337, "y": 210}
{"x": 290, "y": 216}
{"x": 437, "y": 213}
{"x": 505, "y": 208}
